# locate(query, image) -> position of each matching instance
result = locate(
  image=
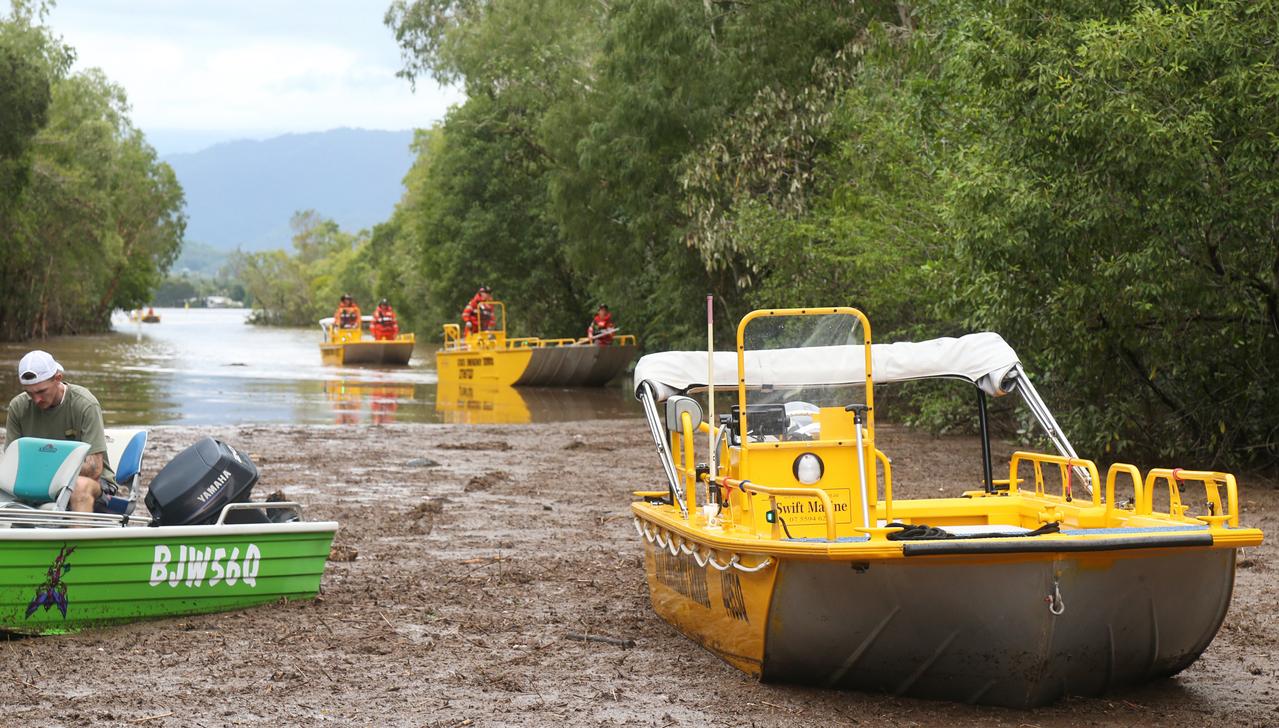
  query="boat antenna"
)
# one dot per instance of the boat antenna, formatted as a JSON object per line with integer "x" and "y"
{"x": 710, "y": 384}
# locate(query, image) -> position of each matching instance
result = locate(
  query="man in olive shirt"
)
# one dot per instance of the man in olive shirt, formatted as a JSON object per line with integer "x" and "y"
{"x": 52, "y": 409}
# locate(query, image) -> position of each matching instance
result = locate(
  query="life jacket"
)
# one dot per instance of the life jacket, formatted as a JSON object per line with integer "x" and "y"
{"x": 477, "y": 315}
{"x": 348, "y": 317}
{"x": 598, "y": 324}
{"x": 383, "y": 316}
{"x": 468, "y": 313}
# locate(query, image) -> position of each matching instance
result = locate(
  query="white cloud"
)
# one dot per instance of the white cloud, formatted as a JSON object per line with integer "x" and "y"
{"x": 241, "y": 70}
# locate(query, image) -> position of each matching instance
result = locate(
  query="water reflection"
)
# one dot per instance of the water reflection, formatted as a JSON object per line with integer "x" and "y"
{"x": 482, "y": 404}
{"x": 207, "y": 367}
{"x": 372, "y": 402}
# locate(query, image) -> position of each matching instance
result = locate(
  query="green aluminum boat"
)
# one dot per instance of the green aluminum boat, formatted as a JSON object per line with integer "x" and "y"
{"x": 55, "y": 578}
{"x": 203, "y": 546}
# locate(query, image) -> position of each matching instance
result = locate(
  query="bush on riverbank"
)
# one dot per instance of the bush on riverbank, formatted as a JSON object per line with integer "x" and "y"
{"x": 1095, "y": 180}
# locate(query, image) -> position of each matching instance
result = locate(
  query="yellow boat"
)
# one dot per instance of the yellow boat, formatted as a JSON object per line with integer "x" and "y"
{"x": 357, "y": 346}
{"x": 490, "y": 357}
{"x": 788, "y": 557}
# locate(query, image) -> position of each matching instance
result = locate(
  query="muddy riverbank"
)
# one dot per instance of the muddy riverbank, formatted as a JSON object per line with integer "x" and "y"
{"x": 469, "y": 560}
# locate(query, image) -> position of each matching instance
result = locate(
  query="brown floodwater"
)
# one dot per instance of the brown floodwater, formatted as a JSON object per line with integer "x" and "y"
{"x": 208, "y": 367}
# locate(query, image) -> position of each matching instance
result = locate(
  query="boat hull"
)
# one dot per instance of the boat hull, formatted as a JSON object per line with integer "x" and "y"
{"x": 977, "y": 629}
{"x": 394, "y": 352}
{"x": 580, "y": 365}
{"x": 109, "y": 576}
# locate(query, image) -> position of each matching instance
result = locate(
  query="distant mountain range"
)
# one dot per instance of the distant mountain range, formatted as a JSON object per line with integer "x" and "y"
{"x": 243, "y": 193}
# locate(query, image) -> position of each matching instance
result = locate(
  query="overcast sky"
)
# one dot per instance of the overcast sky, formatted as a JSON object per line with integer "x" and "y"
{"x": 198, "y": 72}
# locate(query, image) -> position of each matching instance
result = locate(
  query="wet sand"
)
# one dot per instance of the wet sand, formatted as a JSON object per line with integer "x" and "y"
{"x": 456, "y": 589}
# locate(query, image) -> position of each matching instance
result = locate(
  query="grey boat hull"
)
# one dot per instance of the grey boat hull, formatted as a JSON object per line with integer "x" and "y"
{"x": 583, "y": 365}
{"x": 985, "y": 631}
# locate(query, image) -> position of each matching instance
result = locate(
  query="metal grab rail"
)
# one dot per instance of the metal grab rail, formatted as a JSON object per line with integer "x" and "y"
{"x": 452, "y": 337}
{"x": 1217, "y": 514}
{"x": 888, "y": 484}
{"x": 648, "y": 401}
{"x": 1065, "y": 465}
{"x": 690, "y": 461}
{"x": 1137, "y": 488}
{"x": 16, "y": 514}
{"x": 259, "y": 506}
{"x": 773, "y": 494}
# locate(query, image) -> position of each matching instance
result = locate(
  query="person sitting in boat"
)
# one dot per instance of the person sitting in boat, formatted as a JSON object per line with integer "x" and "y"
{"x": 50, "y": 408}
{"x": 347, "y": 315}
{"x": 602, "y": 328}
{"x": 477, "y": 316}
{"x": 384, "y": 325}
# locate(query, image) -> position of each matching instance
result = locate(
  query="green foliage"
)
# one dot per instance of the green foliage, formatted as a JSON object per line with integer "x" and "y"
{"x": 89, "y": 218}
{"x": 1116, "y": 218}
{"x": 302, "y": 288}
{"x": 1093, "y": 178}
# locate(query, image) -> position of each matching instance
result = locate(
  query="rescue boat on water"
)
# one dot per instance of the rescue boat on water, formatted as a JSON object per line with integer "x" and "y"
{"x": 202, "y": 547}
{"x": 787, "y": 555}
{"x": 356, "y": 346}
{"x": 490, "y": 357}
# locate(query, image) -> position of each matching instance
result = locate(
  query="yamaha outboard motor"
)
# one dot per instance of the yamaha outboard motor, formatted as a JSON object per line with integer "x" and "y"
{"x": 198, "y": 482}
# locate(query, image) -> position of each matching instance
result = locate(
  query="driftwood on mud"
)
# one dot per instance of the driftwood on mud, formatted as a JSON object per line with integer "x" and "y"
{"x": 600, "y": 638}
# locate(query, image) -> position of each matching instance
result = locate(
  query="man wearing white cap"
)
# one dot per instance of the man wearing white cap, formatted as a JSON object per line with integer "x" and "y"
{"x": 49, "y": 407}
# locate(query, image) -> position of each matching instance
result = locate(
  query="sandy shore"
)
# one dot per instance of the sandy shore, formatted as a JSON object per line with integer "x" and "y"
{"x": 469, "y": 558}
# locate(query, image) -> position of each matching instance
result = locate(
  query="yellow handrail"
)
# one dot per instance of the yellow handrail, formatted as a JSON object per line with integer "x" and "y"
{"x": 1137, "y": 490}
{"x": 452, "y": 337}
{"x": 690, "y": 468}
{"x": 817, "y": 311}
{"x": 773, "y": 494}
{"x": 1064, "y": 465}
{"x": 1230, "y": 514}
{"x": 888, "y": 484}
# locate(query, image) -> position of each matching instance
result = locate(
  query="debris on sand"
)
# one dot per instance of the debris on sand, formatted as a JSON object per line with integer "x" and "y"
{"x": 493, "y": 445}
{"x": 422, "y": 463}
{"x": 579, "y": 443}
{"x": 422, "y": 517}
{"x": 428, "y": 506}
{"x": 625, "y": 644}
{"x": 343, "y": 552}
{"x": 485, "y": 481}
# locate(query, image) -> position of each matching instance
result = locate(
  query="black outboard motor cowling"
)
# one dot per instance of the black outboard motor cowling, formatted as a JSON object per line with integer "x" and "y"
{"x": 198, "y": 482}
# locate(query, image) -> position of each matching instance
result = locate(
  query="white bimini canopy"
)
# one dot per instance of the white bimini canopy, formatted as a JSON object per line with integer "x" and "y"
{"x": 984, "y": 359}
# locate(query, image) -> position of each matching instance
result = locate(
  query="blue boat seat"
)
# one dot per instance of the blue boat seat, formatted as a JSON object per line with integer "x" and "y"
{"x": 125, "y": 447}
{"x": 39, "y": 472}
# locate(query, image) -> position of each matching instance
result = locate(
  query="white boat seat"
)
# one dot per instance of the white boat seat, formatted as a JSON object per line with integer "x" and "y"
{"x": 125, "y": 447}
{"x": 40, "y": 472}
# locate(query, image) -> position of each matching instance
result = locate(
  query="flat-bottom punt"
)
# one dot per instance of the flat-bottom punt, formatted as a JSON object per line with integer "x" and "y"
{"x": 55, "y": 580}
{"x": 1018, "y": 629}
{"x": 786, "y": 554}
{"x": 393, "y": 352}
{"x": 569, "y": 365}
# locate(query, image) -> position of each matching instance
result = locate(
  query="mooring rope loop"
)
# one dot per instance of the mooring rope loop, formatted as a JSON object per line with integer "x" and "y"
{"x": 752, "y": 569}
{"x": 668, "y": 544}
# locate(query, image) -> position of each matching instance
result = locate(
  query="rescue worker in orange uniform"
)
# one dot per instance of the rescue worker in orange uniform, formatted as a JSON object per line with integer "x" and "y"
{"x": 476, "y": 316}
{"x": 384, "y": 326}
{"x": 602, "y": 327}
{"x": 347, "y": 315}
